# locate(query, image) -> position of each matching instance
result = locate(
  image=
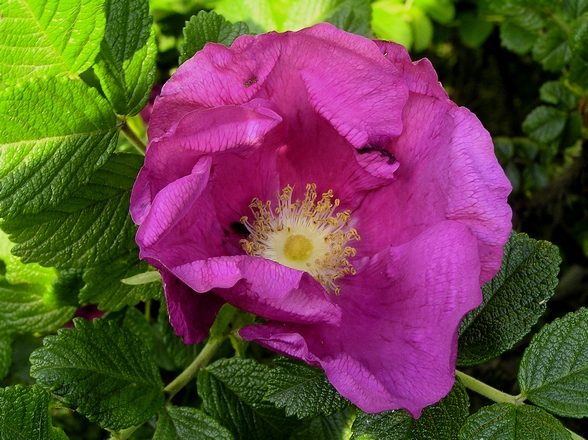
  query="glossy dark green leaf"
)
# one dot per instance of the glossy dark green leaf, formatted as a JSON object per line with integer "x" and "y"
{"x": 554, "y": 369}
{"x": 208, "y": 27}
{"x": 25, "y": 414}
{"x": 183, "y": 423}
{"x": 232, "y": 391}
{"x": 513, "y": 300}
{"x": 336, "y": 426}
{"x": 302, "y": 390}
{"x": 103, "y": 370}
{"x": 506, "y": 421}
{"x": 441, "y": 421}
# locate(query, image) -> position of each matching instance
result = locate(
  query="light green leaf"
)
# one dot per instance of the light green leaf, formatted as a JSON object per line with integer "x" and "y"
{"x": 556, "y": 92}
{"x": 347, "y": 14}
{"x": 302, "y": 390}
{"x": 102, "y": 370}
{"x": 442, "y": 11}
{"x": 56, "y": 134}
{"x": 554, "y": 368}
{"x": 183, "y": 423}
{"x": 5, "y": 355}
{"x": 552, "y": 49}
{"x": 25, "y": 414}
{"x": 333, "y": 427}
{"x": 28, "y": 308}
{"x": 422, "y": 29}
{"x": 505, "y": 421}
{"x": 441, "y": 421}
{"x": 90, "y": 228}
{"x": 259, "y": 15}
{"x": 17, "y": 272}
{"x": 232, "y": 392}
{"x": 513, "y": 300}
{"x": 208, "y": 27}
{"x": 545, "y": 124}
{"x": 390, "y": 22}
{"x": 126, "y": 63}
{"x": 104, "y": 284}
{"x": 48, "y": 37}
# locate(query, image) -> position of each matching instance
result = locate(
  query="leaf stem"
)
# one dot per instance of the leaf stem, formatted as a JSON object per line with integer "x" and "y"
{"x": 488, "y": 391}
{"x": 198, "y": 364}
{"x": 135, "y": 140}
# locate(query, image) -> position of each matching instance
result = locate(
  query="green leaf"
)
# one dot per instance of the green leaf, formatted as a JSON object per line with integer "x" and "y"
{"x": 554, "y": 368}
{"x": 56, "y": 134}
{"x": 474, "y": 31}
{"x": 135, "y": 321}
{"x": 25, "y": 414}
{"x": 17, "y": 272}
{"x": 232, "y": 392}
{"x": 126, "y": 63}
{"x": 545, "y": 124}
{"x": 556, "y": 92}
{"x": 333, "y": 427}
{"x": 90, "y": 228}
{"x": 513, "y": 300}
{"x": 49, "y": 37}
{"x": 104, "y": 286}
{"x": 170, "y": 352}
{"x": 552, "y": 49}
{"x": 207, "y": 27}
{"x": 29, "y": 308}
{"x": 389, "y": 22}
{"x": 442, "y": 11}
{"x": 574, "y": 8}
{"x": 302, "y": 390}
{"x": 102, "y": 370}
{"x": 259, "y": 15}
{"x": 505, "y": 421}
{"x": 5, "y": 355}
{"x": 422, "y": 29}
{"x": 579, "y": 37}
{"x": 349, "y": 13}
{"x": 516, "y": 38}
{"x": 440, "y": 421}
{"x": 183, "y": 423}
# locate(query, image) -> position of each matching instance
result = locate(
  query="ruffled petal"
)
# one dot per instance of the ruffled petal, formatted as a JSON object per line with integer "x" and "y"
{"x": 388, "y": 351}
{"x": 262, "y": 287}
{"x": 191, "y": 314}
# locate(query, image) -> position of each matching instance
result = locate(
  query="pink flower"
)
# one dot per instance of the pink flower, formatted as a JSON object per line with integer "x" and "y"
{"x": 371, "y": 279}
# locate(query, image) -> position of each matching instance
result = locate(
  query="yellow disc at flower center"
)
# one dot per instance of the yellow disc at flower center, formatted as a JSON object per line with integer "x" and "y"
{"x": 298, "y": 248}
{"x": 307, "y": 235}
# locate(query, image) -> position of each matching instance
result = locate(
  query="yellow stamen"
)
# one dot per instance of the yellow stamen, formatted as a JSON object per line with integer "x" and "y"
{"x": 303, "y": 235}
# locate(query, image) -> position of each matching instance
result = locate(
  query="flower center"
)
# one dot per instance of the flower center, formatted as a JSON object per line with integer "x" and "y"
{"x": 305, "y": 235}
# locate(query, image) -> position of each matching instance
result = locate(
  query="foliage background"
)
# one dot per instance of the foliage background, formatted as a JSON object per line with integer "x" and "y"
{"x": 519, "y": 65}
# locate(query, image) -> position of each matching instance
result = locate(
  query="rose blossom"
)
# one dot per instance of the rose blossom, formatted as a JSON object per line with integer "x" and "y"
{"x": 324, "y": 182}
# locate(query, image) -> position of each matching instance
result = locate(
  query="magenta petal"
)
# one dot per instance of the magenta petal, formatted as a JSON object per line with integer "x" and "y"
{"x": 191, "y": 314}
{"x": 172, "y": 203}
{"x": 262, "y": 287}
{"x": 388, "y": 351}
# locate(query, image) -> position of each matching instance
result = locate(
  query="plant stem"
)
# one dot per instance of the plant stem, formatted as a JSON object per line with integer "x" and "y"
{"x": 488, "y": 391}
{"x": 135, "y": 140}
{"x": 199, "y": 363}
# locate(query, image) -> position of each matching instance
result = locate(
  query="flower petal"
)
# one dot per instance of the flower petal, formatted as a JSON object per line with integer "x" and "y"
{"x": 389, "y": 350}
{"x": 262, "y": 287}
